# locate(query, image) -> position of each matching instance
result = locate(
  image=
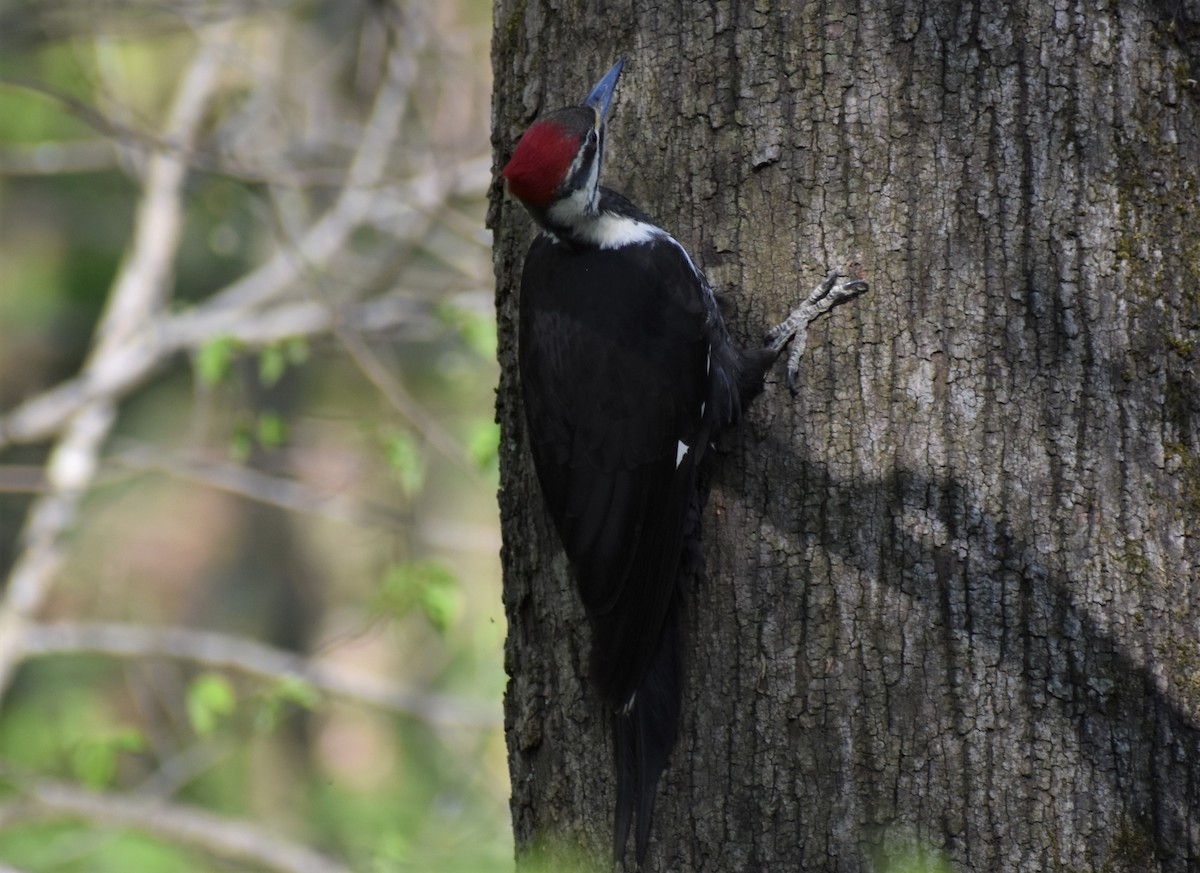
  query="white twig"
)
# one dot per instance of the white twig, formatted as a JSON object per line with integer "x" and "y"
{"x": 221, "y": 651}
{"x": 227, "y": 838}
{"x": 143, "y": 281}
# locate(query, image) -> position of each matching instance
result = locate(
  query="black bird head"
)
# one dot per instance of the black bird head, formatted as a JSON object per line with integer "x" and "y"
{"x": 555, "y": 170}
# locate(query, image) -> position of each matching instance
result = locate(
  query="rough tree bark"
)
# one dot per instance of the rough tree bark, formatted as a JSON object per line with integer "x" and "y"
{"x": 951, "y": 592}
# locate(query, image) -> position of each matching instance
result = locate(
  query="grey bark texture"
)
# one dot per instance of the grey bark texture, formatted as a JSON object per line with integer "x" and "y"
{"x": 951, "y": 592}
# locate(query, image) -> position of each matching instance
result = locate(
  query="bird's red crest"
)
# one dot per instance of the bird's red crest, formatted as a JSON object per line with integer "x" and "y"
{"x": 540, "y": 162}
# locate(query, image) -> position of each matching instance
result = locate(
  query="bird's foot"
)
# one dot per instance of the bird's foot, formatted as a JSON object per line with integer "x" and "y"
{"x": 821, "y": 299}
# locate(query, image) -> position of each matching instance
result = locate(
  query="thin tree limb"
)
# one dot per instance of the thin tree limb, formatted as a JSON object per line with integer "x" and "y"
{"x": 396, "y": 394}
{"x": 279, "y": 491}
{"x": 44, "y": 415}
{"x": 54, "y": 158}
{"x": 224, "y": 837}
{"x": 353, "y": 206}
{"x": 292, "y": 495}
{"x": 222, "y": 651}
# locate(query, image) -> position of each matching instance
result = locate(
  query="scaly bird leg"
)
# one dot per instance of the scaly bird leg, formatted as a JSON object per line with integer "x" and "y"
{"x": 821, "y": 299}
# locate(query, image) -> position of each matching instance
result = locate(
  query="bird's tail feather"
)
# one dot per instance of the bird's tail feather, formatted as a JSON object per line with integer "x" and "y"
{"x": 644, "y": 733}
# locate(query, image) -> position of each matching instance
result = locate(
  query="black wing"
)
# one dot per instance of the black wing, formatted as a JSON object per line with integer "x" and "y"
{"x": 614, "y": 369}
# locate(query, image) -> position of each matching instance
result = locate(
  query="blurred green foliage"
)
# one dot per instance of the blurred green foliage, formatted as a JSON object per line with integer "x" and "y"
{"x": 406, "y": 461}
{"x": 424, "y": 585}
{"x": 404, "y": 588}
{"x": 210, "y": 698}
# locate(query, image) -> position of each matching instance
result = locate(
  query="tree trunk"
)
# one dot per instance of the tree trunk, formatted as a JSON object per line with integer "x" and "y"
{"x": 950, "y": 603}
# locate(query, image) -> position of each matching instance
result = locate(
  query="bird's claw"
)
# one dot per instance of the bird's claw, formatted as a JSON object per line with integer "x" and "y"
{"x": 791, "y": 381}
{"x": 820, "y": 300}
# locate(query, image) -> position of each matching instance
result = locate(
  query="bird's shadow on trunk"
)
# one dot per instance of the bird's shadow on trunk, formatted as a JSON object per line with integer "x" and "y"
{"x": 1126, "y": 722}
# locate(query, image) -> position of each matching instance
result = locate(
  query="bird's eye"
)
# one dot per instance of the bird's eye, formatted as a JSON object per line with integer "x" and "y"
{"x": 592, "y": 137}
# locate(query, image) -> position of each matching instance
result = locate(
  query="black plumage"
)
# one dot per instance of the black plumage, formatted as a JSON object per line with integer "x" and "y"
{"x": 627, "y": 374}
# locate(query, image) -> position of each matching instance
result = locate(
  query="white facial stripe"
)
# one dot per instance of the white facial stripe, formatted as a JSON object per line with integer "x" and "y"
{"x": 572, "y": 211}
{"x": 575, "y": 164}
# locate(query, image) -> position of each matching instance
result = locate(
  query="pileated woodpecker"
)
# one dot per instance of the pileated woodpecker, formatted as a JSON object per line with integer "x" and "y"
{"x": 628, "y": 374}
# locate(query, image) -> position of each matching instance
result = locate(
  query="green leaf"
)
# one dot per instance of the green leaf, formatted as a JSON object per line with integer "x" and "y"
{"x": 128, "y": 740}
{"x": 94, "y": 764}
{"x": 425, "y": 585}
{"x": 406, "y": 462}
{"x": 241, "y": 444}
{"x": 398, "y": 593}
{"x": 94, "y": 760}
{"x": 272, "y": 362}
{"x": 272, "y": 429}
{"x": 295, "y": 690}
{"x": 274, "y": 359}
{"x": 441, "y": 601}
{"x": 210, "y": 697}
{"x": 212, "y": 360}
{"x": 287, "y": 692}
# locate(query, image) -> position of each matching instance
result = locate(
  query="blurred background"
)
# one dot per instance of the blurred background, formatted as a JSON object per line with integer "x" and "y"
{"x": 250, "y": 615}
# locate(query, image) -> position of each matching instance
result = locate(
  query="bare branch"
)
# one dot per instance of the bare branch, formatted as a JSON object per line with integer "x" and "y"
{"x": 329, "y": 233}
{"x": 292, "y": 495}
{"x": 288, "y": 320}
{"x": 221, "y": 651}
{"x": 125, "y": 368}
{"x": 138, "y": 291}
{"x": 52, "y": 158}
{"x": 238, "y": 311}
{"x": 143, "y": 280}
{"x": 85, "y": 112}
{"x": 177, "y": 770}
{"x": 224, "y": 837}
{"x": 399, "y": 398}
{"x": 239, "y": 479}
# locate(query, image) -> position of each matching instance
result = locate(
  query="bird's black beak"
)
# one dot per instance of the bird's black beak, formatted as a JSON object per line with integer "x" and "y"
{"x": 601, "y": 94}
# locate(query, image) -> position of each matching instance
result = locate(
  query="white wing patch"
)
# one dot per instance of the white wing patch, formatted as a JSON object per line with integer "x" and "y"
{"x": 605, "y": 231}
{"x": 680, "y": 451}
{"x": 614, "y": 231}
